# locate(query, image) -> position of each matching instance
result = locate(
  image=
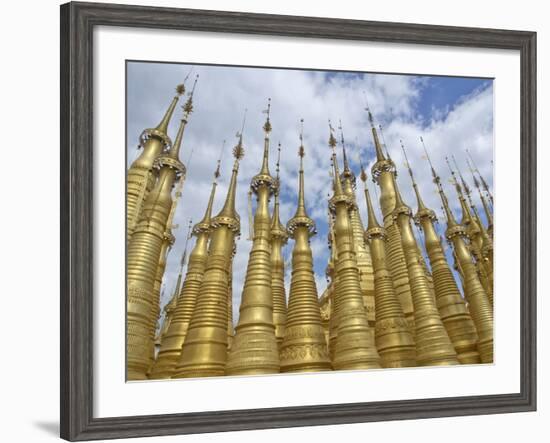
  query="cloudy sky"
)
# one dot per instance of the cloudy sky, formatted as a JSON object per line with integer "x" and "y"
{"x": 452, "y": 115}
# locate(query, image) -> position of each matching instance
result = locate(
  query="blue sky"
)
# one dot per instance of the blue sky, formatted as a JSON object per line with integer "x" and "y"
{"x": 442, "y": 93}
{"x": 452, "y": 114}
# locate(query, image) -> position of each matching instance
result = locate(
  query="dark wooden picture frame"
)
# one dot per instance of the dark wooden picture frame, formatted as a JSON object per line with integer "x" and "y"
{"x": 77, "y": 24}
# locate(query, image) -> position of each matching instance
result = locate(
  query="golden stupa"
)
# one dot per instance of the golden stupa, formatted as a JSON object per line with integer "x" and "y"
{"x": 478, "y": 302}
{"x": 254, "y": 349}
{"x": 146, "y": 249}
{"x": 304, "y": 346}
{"x": 204, "y": 351}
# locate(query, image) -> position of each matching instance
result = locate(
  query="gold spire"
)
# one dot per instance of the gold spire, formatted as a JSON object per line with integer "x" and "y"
{"x": 474, "y": 217}
{"x": 301, "y": 211}
{"x": 228, "y": 210}
{"x": 487, "y": 240}
{"x": 183, "y": 258}
{"x": 338, "y": 190}
{"x": 475, "y": 235}
{"x": 419, "y": 201}
{"x": 382, "y": 173}
{"x": 205, "y": 349}
{"x": 171, "y": 305}
{"x": 171, "y": 346}
{"x": 377, "y": 146}
{"x": 433, "y": 345}
{"x": 277, "y": 228}
{"x": 147, "y": 250}
{"x": 465, "y": 186}
{"x": 204, "y": 224}
{"x": 362, "y": 252}
{"x": 394, "y": 340}
{"x": 451, "y": 307}
{"x": 471, "y": 222}
{"x": 230, "y": 328}
{"x": 254, "y": 348}
{"x": 304, "y": 347}
{"x": 170, "y": 160}
{"x": 267, "y": 129}
{"x": 373, "y": 222}
{"x": 400, "y": 205}
{"x": 140, "y": 179}
{"x": 472, "y": 229}
{"x": 168, "y": 237}
{"x": 466, "y": 221}
{"x": 327, "y": 300}
{"x": 187, "y": 110}
{"x": 354, "y": 346}
{"x": 163, "y": 125}
{"x": 347, "y": 174}
{"x": 474, "y": 293}
{"x": 384, "y": 142}
{"x": 451, "y": 221}
{"x": 279, "y": 237}
{"x": 167, "y": 243}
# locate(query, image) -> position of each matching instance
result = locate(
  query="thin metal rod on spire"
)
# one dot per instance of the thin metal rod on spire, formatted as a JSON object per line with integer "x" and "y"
{"x": 465, "y": 186}
{"x": 240, "y": 134}
{"x": 428, "y": 157}
{"x": 217, "y": 172}
{"x": 415, "y": 185}
{"x": 188, "y": 163}
{"x": 188, "y": 74}
{"x": 377, "y": 147}
{"x": 384, "y": 141}
{"x": 483, "y": 182}
{"x": 344, "y": 153}
{"x": 268, "y": 110}
{"x": 407, "y": 161}
{"x": 194, "y": 85}
{"x": 437, "y": 180}
{"x": 188, "y": 106}
{"x": 278, "y": 164}
{"x": 367, "y": 108}
{"x": 187, "y": 237}
{"x": 454, "y": 180}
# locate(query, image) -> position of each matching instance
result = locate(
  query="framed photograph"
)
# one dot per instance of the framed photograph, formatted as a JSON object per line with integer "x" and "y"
{"x": 273, "y": 221}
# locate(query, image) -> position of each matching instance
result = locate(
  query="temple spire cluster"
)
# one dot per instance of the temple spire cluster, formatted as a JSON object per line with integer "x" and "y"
{"x": 386, "y": 304}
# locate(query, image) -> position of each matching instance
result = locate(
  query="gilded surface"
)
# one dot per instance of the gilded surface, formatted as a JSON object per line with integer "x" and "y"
{"x": 140, "y": 178}
{"x": 478, "y": 303}
{"x": 394, "y": 339}
{"x": 354, "y": 346}
{"x": 254, "y": 349}
{"x": 279, "y": 238}
{"x": 173, "y": 340}
{"x": 433, "y": 346}
{"x": 144, "y": 254}
{"x": 204, "y": 351}
{"x": 396, "y": 255}
{"x": 304, "y": 346}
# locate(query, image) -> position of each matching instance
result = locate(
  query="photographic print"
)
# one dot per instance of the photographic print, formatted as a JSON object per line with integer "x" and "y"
{"x": 290, "y": 220}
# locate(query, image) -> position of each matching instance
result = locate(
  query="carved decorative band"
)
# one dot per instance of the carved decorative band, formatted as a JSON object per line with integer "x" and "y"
{"x": 153, "y": 132}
